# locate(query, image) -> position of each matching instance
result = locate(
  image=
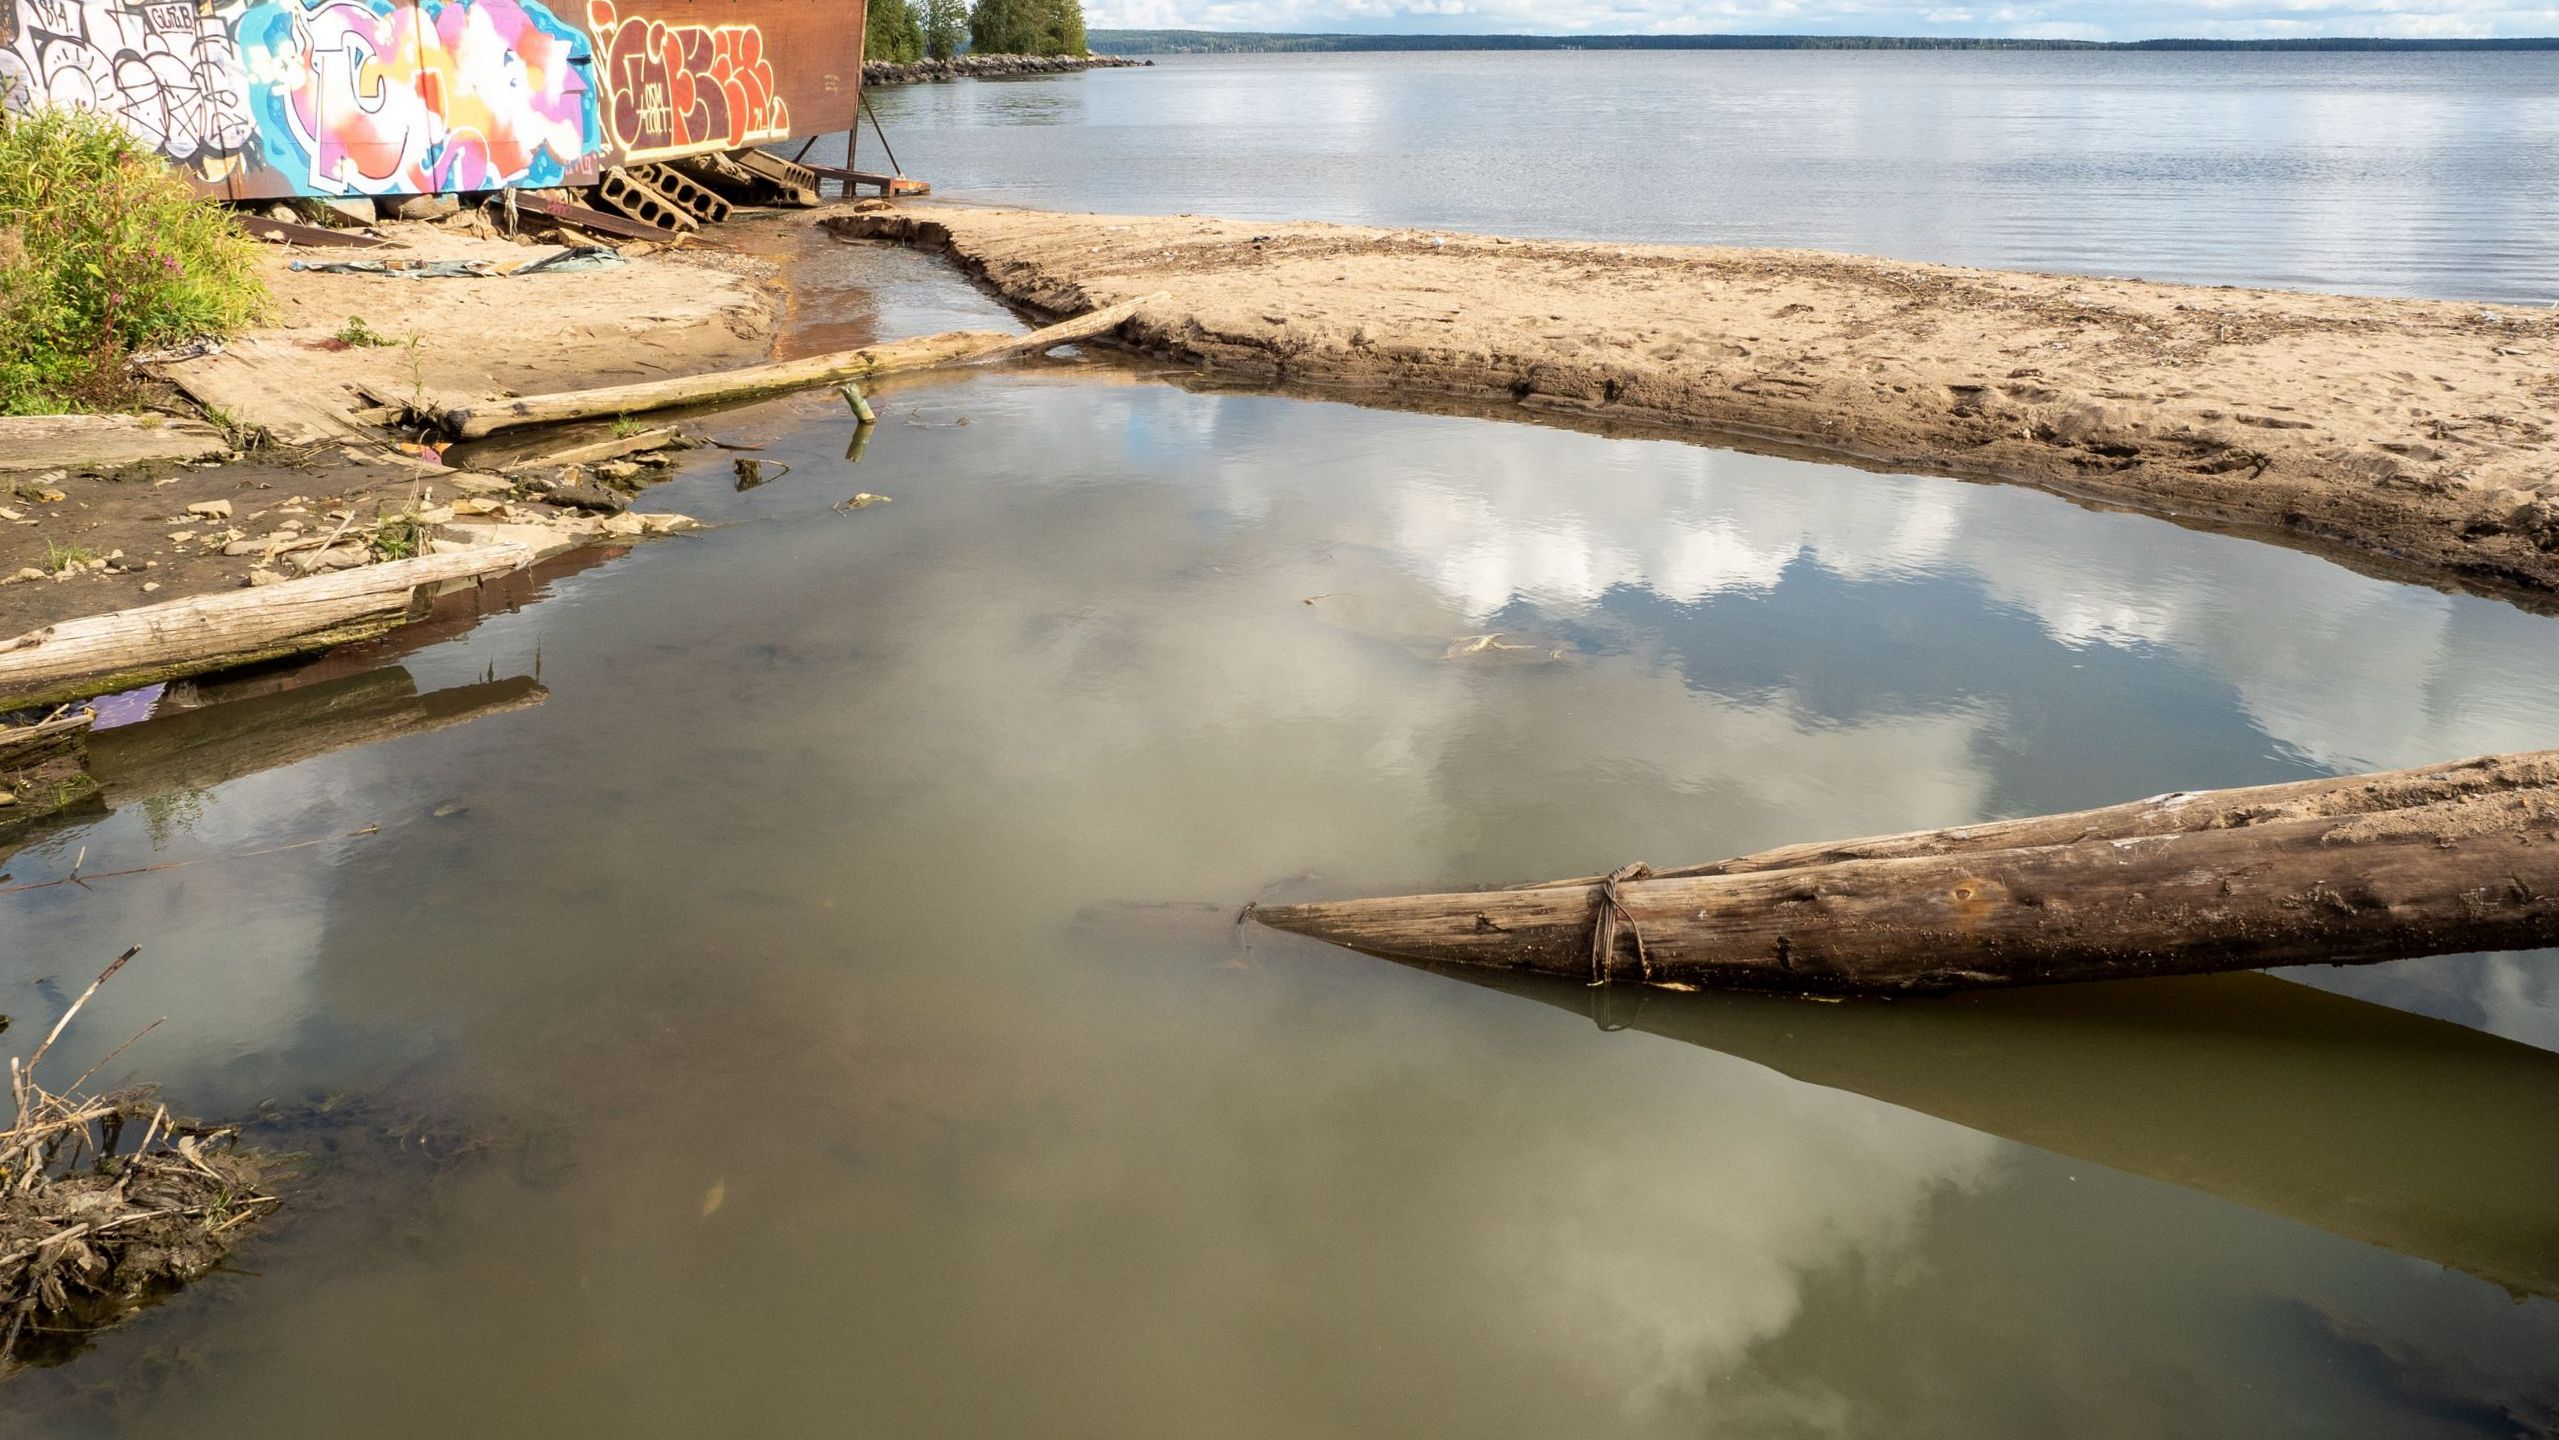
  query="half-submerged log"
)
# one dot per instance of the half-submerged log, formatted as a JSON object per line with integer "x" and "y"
{"x": 100, "y": 653}
{"x": 957, "y": 347}
{"x": 2445, "y": 860}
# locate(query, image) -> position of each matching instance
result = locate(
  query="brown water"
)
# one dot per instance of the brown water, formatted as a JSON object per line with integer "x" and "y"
{"x": 787, "y": 954}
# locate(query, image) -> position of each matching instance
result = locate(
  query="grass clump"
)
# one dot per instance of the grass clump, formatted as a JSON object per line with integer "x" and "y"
{"x": 356, "y": 334}
{"x": 104, "y": 250}
{"x": 58, "y": 558}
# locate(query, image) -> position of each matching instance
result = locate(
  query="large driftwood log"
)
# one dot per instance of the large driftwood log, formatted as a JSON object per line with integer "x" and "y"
{"x": 957, "y": 347}
{"x": 2322, "y": 873}
{"x": 97, "y": 653}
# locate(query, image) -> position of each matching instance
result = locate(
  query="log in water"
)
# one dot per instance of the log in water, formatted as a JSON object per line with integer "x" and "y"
{"x": 2459, "y": 858}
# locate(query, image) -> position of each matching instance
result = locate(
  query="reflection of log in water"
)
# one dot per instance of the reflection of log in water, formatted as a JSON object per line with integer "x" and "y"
{"x": 2419, "y": 1136}
{"x": 198, "y": 749}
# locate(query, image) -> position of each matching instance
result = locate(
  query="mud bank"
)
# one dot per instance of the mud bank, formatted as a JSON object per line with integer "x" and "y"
{"x": 989, "y": 67}
{"x": 302, "y": 455}
{"x": 2410, "y": 438}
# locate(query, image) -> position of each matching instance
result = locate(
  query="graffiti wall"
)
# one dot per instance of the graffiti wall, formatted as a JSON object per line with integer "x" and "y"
{"x": 388, "y": 97}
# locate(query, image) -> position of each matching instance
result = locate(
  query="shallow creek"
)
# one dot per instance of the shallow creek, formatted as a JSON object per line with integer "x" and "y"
{"x": 843, "y": 948}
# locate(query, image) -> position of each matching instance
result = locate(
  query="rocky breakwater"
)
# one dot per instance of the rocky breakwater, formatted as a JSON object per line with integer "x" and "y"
{"x": 986, "y": 67}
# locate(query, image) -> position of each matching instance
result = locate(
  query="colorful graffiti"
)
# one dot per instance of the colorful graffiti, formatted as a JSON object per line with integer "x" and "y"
{"x": 167, "y": 71}
{"x": 675, "y": 89}
{"x": 372, "y": 97}
{"x": 384, "y": 97}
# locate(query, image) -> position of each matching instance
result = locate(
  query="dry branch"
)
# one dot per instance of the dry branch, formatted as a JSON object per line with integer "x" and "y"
{"x": 89, "y": 1228}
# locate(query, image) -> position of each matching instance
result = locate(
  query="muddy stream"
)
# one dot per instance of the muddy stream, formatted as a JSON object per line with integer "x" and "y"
{"x": 825, "y": 1001}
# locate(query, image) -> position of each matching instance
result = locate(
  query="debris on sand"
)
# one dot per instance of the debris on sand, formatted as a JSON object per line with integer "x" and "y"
{"x": 91, "y": 1228}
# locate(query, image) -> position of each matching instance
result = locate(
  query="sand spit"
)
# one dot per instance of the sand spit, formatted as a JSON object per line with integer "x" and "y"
{"x": 2411, "y": 438}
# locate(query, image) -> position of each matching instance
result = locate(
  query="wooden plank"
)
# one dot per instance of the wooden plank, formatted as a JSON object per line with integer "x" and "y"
{"x": 290, "y": 232}
{"x": 207, "y": 632}
{"x": 954, "y": 348}
{"x": 885, "y": 184}
{"x": 103, "y": 442}
{"x": 2474, "y": 870}
{"x": 264, "y": 382}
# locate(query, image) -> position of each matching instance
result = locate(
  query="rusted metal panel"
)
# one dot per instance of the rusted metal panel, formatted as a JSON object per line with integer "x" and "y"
{"x": 591, "y": 220}
{"x": 347, "y": 98}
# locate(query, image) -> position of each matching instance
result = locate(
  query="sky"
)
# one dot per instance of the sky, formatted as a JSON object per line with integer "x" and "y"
{"x": 2054, "y": 19}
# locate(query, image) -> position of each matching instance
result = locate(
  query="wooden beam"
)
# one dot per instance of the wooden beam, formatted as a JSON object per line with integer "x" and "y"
{"x": 290, "y": 232}
{"x": 102, "y": 653}
{"x": 2471, "y": 863}
{"x": 958, "y": 347}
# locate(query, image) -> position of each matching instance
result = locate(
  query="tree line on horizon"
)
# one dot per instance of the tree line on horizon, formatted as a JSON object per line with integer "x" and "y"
{"x": 1248, "y": 42}
{"x": 905, "y": 31}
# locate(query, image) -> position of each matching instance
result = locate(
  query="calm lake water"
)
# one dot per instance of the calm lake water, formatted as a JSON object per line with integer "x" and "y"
{"x": 2428, "y": 175}
{"x": 820, "y": 1015}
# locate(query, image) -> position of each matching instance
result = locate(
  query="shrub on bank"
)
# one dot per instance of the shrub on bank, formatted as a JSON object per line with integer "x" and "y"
{"x": 104, "y": 251}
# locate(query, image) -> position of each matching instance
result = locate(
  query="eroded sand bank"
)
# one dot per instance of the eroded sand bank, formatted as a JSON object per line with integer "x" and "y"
{"x": 2410, "y": 437}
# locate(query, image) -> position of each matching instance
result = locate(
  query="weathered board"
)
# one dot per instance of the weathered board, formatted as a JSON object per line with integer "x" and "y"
{"x": 346, "y": 98}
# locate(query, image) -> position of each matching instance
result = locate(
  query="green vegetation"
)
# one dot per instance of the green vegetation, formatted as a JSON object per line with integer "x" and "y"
{"x": 399, "y": 537}
{"x": 358, "y": 334}
{"x": 58, "y": 558}
{"x": 104, "y": 251}
{"x": 946, "y": 28}
{"x": 893, "y": 32}
{"x": 1027, "y": 27}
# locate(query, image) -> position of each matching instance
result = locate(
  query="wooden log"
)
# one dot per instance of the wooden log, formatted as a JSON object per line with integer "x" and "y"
{"x": 958, "y": 347}
{"x": 2335, "y": 795}
{"x": 2478, "y": 870}
{"x": 99, "y": 653}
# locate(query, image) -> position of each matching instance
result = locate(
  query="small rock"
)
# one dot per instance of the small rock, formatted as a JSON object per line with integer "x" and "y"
{"x": 665, "y": 523}
{"x": 589, "y": 496}
{"x": 150, "y": 585}
{"x": 415, "y": 207}
{"x": 623, "y": 525}
{"x": 7, "y": 799}
{"x": 263, "y": 576}
{"x": 29, "y": 573}
{"x": 211, "y": 509}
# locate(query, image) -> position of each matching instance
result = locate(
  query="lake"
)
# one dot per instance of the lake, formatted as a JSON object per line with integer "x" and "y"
{"x": 822, "y": 1012}
{"x": 2411, "y": 174}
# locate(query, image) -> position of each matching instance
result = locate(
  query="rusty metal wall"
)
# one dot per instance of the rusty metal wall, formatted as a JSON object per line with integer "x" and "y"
{"x": 349, "y": 98}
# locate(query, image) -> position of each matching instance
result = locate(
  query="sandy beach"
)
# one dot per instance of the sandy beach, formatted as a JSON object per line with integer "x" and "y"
{"x": 2410, "y": 438}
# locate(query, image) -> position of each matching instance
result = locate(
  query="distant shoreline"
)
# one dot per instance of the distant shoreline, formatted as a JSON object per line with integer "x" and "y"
{"x": 1240, "y": 42}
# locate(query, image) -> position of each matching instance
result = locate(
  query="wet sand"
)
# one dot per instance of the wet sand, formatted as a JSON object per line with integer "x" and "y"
{"x": 2409, "y": 438}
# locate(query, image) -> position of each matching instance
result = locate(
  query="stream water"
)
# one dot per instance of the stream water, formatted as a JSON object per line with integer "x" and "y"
{"x": 838, "y": 965}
